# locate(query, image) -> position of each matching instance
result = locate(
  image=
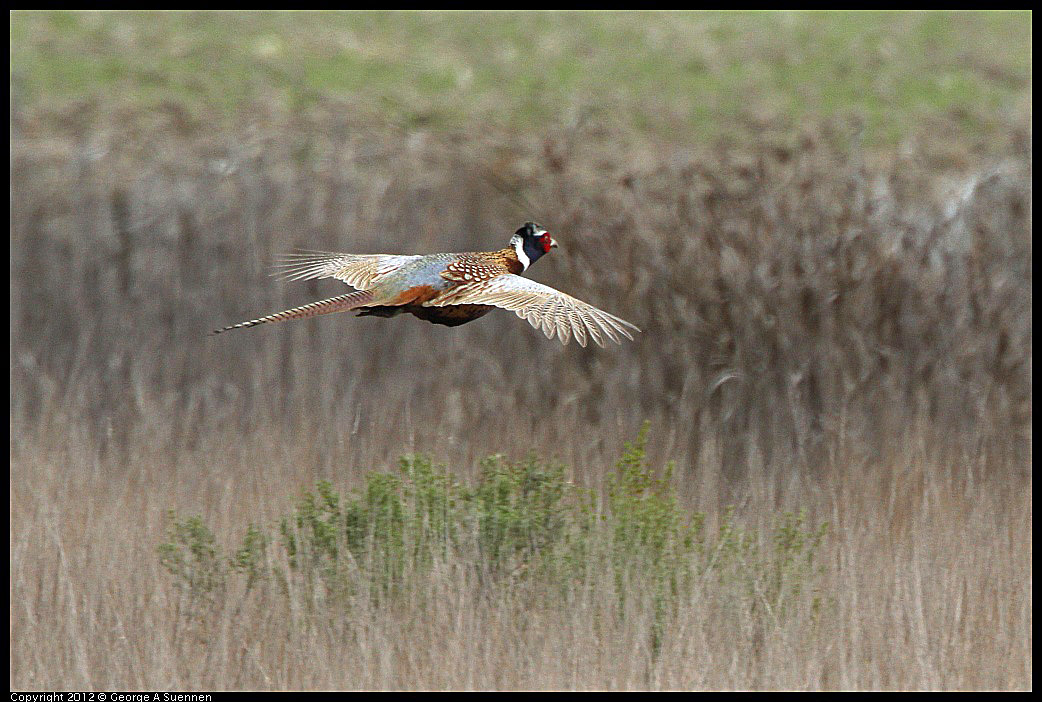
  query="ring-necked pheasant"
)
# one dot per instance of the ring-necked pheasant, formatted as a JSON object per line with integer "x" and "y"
{"x": 451, "y": 289}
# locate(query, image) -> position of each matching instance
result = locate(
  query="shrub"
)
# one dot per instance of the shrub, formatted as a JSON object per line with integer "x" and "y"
{"x": 521, "y": 526}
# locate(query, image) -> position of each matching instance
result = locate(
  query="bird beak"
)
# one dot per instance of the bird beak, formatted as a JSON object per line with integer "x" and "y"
{"x": 553, "y": 243}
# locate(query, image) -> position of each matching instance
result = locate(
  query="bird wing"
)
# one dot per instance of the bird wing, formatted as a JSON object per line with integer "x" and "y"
{"x": 357, "y": 270}
{"x": 545, "y": 308}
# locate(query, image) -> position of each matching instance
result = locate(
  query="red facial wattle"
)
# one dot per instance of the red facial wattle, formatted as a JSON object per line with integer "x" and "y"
{"x": 546, "y": 241}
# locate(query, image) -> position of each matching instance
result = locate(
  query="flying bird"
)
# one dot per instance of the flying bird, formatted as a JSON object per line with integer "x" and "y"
{"x": 451, "y": 289}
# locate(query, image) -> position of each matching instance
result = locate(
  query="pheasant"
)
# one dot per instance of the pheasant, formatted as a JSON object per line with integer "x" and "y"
{"x": 451, "y": 289}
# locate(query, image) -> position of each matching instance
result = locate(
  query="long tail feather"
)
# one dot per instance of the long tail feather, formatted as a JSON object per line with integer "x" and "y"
{"x": 340, "y": 303}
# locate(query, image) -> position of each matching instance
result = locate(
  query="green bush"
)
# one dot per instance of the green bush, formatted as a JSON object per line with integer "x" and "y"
{"x": 521, "y": 525}
{"x": 192, "y": 558}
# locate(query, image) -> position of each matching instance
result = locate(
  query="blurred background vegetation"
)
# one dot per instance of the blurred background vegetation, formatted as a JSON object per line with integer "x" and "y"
{"x": 679, "y": 76}
{"x": 821, "y": 221}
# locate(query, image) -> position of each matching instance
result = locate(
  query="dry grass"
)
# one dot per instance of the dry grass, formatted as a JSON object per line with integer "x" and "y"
{"x": 926, "y": 578}
{"x": 821, "y": 330}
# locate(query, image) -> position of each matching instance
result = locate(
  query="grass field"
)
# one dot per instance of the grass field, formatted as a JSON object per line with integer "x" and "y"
{"x": 704, "y": 74}
{"x": 820, "y": 221}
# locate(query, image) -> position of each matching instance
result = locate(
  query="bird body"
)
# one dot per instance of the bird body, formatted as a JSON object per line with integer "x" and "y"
{"x": 451, "y": 289}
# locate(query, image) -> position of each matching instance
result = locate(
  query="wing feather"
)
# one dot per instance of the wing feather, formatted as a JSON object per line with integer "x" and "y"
{"x": 578, "y": 329}
{"x": 549, "y": 310}
{"x": 357, "y": 270}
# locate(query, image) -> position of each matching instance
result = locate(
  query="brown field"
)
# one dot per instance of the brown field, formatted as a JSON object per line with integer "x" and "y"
{"x": 826, "y": 327}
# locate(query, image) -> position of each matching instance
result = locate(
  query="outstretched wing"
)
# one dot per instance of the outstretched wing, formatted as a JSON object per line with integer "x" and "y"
{"x": 544, "y": 308}
{"x": 357, "y": 270}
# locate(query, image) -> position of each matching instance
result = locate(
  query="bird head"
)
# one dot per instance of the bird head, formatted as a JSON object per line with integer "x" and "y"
{"x": 530, "y": 242}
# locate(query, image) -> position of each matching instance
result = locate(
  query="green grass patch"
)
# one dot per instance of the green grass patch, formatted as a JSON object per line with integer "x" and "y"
{"x": 668, "y": 75}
